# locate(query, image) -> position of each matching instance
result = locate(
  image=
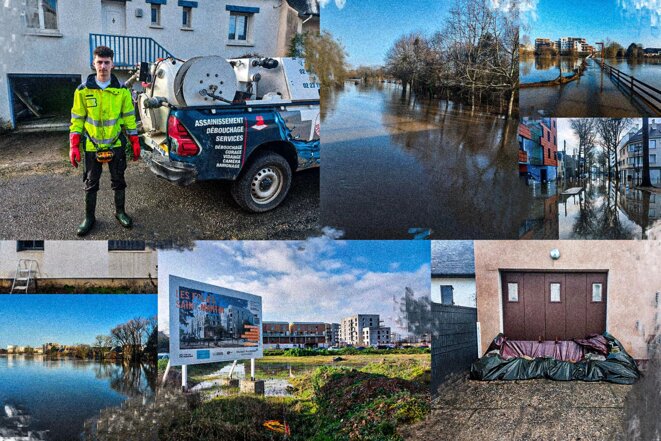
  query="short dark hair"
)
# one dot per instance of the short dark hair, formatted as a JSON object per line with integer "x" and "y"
{"x": 104, "y": 51}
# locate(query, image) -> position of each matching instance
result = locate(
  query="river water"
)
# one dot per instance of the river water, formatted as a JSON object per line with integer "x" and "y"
{"x": 396, "y": 167}
{"x": 533, "y": 69}
{"x": 647, "y": 71}
{"x": 43, "y": 399}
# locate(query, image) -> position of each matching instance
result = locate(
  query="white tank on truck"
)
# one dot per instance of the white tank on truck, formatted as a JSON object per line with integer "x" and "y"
{"x": 251, "y": 121}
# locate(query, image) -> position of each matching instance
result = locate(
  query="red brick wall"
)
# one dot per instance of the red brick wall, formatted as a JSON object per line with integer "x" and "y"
{"x": 549, "y": 143}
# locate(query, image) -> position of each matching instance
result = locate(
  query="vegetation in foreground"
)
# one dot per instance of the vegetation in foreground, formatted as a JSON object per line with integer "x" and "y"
{"x": 329, "y": 403}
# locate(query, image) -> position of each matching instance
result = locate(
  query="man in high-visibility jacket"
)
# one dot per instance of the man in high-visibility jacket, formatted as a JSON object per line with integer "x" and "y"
{"x": 102, "y": 107}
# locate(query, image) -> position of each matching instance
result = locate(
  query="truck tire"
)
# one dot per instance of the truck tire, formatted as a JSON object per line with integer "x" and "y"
{"x": 264, "y": 184}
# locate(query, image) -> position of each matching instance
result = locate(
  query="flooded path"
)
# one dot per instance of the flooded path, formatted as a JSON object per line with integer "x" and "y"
{"x": 395, "y": 166}
{"x": 592, "y": 95}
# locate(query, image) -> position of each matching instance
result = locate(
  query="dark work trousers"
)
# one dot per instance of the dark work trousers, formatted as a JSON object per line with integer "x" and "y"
{"x": 93, "y": 169}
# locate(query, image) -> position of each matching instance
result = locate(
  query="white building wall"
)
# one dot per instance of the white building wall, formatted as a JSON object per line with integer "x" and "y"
{"x": 67, "y": 50}
{"x": 89, "y": 259}
{"x": 463, "y": 294}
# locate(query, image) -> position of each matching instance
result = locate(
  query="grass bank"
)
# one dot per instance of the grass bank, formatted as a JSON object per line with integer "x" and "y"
{"x": 329, "y": 402}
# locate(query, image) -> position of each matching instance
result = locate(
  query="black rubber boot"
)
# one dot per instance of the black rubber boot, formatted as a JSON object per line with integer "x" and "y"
{"x": 120, "y": 214}
{"x": 90, "y": 207}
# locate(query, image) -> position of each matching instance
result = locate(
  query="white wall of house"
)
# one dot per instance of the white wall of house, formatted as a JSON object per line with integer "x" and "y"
{"x": 89, "y": 259}
{"x": 463, "y": 294}
{"x": 66, "y": 50}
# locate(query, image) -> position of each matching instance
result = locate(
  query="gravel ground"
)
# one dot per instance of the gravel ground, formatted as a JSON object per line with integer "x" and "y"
{"x": 534, "y": 410}
{"x": 42, "y": 197}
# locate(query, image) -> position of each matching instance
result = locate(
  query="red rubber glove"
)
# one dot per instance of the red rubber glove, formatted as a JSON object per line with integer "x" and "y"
{"x": 135, "y": 141}
{"x": 74, "y": 149}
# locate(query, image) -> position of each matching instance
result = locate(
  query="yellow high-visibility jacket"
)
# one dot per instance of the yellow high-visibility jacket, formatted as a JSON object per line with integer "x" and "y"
{"x": 101, "y": 113}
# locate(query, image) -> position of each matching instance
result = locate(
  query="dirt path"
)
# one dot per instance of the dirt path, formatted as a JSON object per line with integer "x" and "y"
{"x": 534, "y": 410}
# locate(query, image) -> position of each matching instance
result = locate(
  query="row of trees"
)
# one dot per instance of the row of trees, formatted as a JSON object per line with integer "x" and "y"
{"x": 474, "y": 56}
{"x": 598, "y": 141}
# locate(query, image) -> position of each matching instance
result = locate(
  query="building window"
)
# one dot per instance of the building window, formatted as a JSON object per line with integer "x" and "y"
{"x": 126, "y": 245}
{"x": 156, "y": 15}
{"x": 512, "y": 292}
{"x": 29, "y": 245}
{"x": 447, "y": 295}
{"x": 41, "y": 14}
{"x": 652, "y": 143}
{"x": 652, "y": 159}
{"x": 596, "y": 292}
{"x": 186, "y": 17}
{"x": 555, "y": 293}
{"x": 238, "y": 27}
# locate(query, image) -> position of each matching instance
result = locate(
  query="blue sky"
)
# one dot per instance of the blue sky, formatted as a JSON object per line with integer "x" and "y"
{"x": 624, "y": 21}
{"x": 368, "y": 28}
{"x": 67, "y": 318}
{"x": 319, "y": 279}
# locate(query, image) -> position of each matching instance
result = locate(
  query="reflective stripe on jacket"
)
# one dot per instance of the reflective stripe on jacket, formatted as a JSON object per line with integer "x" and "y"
{"x": 101, "y": 113}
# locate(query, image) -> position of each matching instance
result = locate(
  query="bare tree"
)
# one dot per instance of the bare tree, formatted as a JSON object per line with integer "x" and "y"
{"x": 585, "y": 129}
{"x": 610, "y": 131}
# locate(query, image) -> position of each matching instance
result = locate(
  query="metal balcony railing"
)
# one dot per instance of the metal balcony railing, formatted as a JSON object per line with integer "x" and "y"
{"x": 129, "y": 50}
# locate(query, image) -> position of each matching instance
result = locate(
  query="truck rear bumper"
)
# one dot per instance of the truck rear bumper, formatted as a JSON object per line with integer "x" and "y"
{"x": 180, "y": 173}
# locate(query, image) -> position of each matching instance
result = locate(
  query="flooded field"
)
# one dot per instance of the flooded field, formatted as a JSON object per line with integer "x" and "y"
{"x": 397, "y": 167}
{"x": 533, "y": 69}
{"x": 647, "y": 71}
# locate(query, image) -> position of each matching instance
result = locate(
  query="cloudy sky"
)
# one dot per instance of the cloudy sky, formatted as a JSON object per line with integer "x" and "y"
{"x": 624, "y": 21}
{"x": 319, "y": 279}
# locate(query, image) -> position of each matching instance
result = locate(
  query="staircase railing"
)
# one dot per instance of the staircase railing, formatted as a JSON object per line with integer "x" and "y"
{"x": 129, "y": 50}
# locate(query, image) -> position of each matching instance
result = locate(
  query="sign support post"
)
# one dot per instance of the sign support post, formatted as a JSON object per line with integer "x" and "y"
{"x": 184, "y": 377}
{"x": 252, "y": 369}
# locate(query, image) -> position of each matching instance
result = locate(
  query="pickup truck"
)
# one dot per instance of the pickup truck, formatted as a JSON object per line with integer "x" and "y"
{"x": 265, "y": 130}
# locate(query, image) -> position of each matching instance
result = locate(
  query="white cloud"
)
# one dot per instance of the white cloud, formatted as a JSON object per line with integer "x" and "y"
{"x": 339, "y": 3}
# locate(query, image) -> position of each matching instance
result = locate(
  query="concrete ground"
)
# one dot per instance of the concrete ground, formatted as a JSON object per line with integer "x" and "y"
{"x": 42, "y": 197}
{"x": 533, "y": 410}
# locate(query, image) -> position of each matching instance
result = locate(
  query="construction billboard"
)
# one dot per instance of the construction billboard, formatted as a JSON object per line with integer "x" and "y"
{"x": 210, "y": 323}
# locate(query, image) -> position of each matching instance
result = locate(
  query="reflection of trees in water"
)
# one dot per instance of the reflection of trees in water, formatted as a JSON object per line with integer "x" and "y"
{"x": 471, "y": 164}
{"x": 597, "y": 220}
{"x": 128, "y": 379}
{"x": 328, "y": 99}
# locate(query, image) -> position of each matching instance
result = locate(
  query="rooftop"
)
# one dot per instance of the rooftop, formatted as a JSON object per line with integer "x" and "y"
{"x": 452, "y": 258}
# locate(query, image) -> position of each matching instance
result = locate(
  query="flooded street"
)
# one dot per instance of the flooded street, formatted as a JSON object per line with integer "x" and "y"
{"x": 396, "y": 166}
{"x": 591, "y": 95}
{"x": 599, "y": 211}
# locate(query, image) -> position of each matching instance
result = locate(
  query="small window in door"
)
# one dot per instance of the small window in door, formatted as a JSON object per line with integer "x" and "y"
{"x": 512, "y": 292}
{"x": 555, "y": 293}
{"x": 447, "y": 297}
{"x": 596, "y": 292}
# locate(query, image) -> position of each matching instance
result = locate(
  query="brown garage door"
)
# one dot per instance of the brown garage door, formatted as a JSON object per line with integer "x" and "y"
{"x": 550, "y": 306}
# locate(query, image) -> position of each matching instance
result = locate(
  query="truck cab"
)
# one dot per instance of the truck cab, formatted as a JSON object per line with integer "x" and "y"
{"x": 251, "y": 121}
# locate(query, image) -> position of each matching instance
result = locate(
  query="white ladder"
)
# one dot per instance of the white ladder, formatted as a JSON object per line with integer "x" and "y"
{"x": 26, "y": 272}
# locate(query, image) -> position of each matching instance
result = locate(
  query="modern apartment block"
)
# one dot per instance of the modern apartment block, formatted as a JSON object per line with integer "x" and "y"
{"x": 376, "y": 336}
{"x": 333, "y": 334}
{"x": 294, "y": 334}
{"x": 351, "y": 328}
{"x": 564, "y": 45}
{"x": 538, "y": 149}
{"x": 630, "y": 157}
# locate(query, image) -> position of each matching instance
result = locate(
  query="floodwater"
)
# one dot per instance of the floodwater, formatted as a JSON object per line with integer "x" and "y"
{"x": 43, "y": 399}
{"x": 591, "y": 95}
{"x": 534, "y": 69}
{"x": 647, "y": 71}
{"x": 397, "y": 167}
{"x": 604, "y": 212}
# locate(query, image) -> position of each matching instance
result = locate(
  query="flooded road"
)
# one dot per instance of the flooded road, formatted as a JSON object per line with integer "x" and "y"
{"x": 591, "y": 95}
{"x": 600, "y": 211}
{"x": 395, "y": 167}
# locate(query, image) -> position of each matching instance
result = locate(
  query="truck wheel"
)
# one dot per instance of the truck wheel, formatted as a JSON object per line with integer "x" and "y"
{"x": 264, "y": 184}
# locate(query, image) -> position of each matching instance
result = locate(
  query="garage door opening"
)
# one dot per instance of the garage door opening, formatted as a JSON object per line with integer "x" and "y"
{"x": 553, "y": 305}
{"x": 42, "y": 102}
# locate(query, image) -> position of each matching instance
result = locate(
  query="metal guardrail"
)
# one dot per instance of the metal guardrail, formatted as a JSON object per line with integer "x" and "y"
{"x": 650, "y": 95}
{"x": 129, "y": 50}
